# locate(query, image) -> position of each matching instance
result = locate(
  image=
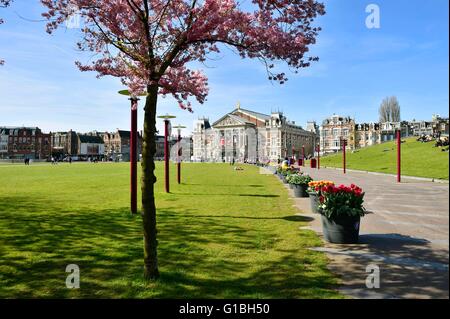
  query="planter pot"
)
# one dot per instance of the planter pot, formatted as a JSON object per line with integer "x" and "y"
{"x": 314, "y": 202}
{"x": 341, "y": 230}
{"x": 300, "y": 191}
{"x": 283, "y": 178}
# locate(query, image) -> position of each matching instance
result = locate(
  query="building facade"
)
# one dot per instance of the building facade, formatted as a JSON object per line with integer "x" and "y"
{"x": 333, "y": 131}
{"x": 64, "y": 144}
{"x": 367, "y": 134}
{"x": 24, "y": 142}
{"x": 4, "y": 134}
{"x": 389, "y": 130}
{"x": 440, "y": 125}
{"x": 247, "y": 136}
{"x": 117, "y": 145}
{"x": 91, "y": 146}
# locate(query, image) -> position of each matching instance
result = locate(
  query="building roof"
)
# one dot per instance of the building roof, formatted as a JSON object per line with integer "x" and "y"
{"x": 235, "y": 118}
{"x": 90, "y": 139}
{"x": 124, "y": 134}
{"x": 258, "y": 115}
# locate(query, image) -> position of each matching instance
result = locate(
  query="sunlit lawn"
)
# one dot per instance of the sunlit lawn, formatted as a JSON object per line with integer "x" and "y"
{"x": 222, "y": 234}
{"x": 418, "y": 159}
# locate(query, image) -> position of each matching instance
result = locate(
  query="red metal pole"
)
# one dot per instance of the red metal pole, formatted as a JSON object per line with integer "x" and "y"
{"x": 166, "y": 155}
{"x": 179, "y": 158}
{"x": 303, "y": 155}
{"x": 133, "y": 155}
{"x": 399, "y": 156}
{"x": 318, "y": 156}
{"x": 344, "y": 143}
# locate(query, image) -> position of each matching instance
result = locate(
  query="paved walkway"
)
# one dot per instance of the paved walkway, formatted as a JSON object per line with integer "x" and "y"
{"x": 406, "y": 235}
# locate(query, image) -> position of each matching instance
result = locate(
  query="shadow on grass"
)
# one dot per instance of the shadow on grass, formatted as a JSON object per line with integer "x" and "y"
{"x": 224, "y": 185}
{"x": 227, "y": 194}
{"x": 200, "y": 256}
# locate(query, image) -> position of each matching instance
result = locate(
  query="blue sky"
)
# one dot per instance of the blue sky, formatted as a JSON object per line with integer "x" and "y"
{"x": 406, "y": 57}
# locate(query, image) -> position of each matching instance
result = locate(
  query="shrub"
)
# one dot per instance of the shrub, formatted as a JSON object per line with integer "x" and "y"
{"x": 300, "y": 179}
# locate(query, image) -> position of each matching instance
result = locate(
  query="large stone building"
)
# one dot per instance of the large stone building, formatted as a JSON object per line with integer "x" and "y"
{"x": 248, "y": 136}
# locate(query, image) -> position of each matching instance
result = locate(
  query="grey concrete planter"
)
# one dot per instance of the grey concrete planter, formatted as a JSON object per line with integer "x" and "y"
{"x": 341, "y": 230}
{"x": 314, "y": 202}
{"x": 300, "y": 190}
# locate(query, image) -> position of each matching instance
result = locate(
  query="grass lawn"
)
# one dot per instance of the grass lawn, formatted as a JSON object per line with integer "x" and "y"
{"x": 222, "y": 234}
{"x": 418, "y": 159}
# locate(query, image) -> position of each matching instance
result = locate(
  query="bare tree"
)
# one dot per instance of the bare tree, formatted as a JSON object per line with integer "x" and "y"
{"x": 390, "y": 110}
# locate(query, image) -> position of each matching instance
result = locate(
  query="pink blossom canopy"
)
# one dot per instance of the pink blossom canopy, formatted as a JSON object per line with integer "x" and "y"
{"x": 144, "y": 42}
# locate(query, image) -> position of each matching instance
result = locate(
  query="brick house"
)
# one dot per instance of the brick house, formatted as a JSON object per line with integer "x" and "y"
{"x": 24, "y": 142}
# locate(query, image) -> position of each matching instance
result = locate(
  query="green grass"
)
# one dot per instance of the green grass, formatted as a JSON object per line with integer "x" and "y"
{"x": 418, "y": 159}
{"x": 222, "y": 234}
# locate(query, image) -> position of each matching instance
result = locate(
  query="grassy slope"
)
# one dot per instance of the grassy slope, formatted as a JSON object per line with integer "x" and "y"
{"x": 418, "y": 159}
{"x": 223, "y": 234}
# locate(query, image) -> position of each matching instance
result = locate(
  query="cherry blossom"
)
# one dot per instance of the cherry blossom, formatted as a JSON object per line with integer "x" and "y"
{"x": 154, "y": 41}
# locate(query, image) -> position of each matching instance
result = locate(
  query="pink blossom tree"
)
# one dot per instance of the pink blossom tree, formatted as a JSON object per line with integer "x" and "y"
{"x": 150, "y": 44}
{"x": 3, "y": 4}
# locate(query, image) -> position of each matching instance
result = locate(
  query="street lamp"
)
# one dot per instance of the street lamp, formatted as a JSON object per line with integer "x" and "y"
{"x": 303, "y": 155}
{"x": 180, "y": 150}
{"x": 318, "y": 156}
{"x": 166, "y": 119}
{"x": 344, "y": 155}
{"x": 399, "y": 155}
{"x": 133, "y": 148}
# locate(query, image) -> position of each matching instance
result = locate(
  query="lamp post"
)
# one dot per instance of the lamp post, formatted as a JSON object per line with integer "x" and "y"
{"x": 303, "y": 155}
{"x": 344, "y": 155}
{"x": 399, "y": 156}
{"x": 293, "y": 154}
{"x": 133, "y": 149}
{"x": 318, "y": 156}
{"x": 180, "y": 152}
{"x": 166, "y": 119}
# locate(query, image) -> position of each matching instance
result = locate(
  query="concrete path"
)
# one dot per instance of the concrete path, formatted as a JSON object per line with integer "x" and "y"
{"x": 406, "y": 234}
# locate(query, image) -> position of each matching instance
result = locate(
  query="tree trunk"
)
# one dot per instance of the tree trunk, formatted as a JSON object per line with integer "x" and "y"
{"x": 148, "y": 181}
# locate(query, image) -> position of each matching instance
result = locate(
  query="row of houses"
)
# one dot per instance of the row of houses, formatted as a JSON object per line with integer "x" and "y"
{"x": 30, "y": 142}
{"x": 241, "y": 135}
{"x": 335, "y": 129}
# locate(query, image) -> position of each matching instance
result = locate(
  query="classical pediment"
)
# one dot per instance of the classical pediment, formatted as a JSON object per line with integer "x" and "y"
{"x": 229, "y": 120}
